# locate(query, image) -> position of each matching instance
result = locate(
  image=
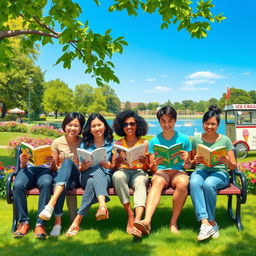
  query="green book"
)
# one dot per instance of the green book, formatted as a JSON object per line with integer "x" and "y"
{"x": 171, "y": 155}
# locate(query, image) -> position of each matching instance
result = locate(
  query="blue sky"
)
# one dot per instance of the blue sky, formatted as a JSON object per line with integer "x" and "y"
{"x": 160, "y": 65}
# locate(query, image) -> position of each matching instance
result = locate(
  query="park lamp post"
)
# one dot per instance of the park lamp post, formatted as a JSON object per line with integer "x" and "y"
{"x": 29, "y": 98}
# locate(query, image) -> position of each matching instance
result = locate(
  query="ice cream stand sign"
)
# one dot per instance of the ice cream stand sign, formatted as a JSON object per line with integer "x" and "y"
{"x": 240, "y": 122}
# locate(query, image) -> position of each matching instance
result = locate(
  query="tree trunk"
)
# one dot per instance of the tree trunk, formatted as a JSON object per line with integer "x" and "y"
{"x": 4, "y": 109}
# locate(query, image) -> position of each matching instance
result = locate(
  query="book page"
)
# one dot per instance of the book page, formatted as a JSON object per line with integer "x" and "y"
{"x": 216, "y": 154}
{"x": 175, "y": 154}
{"x": 99, "y": 155}
{"x": 135, "y": 153}
{"x": 162, "y": 151}
{"x": 28, "y": 150}
{"x": 83, "y": 155}
{"x": 41, "y": 154}
{"x": 205, "y": 153}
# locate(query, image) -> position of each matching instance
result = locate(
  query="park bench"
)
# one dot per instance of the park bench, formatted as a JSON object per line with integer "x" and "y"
{"x": 237, "y": 189}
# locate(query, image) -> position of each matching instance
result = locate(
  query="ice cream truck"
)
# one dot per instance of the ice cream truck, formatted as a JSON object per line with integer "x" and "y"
{"x": 240, "y": 122}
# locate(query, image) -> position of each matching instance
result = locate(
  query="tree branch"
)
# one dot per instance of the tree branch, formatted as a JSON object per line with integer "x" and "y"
{"x": 13, "y": 33}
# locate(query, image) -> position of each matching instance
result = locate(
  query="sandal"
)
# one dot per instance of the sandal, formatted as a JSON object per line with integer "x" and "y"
{"x": 136, "y": 232}
{"x": 144, "y": 228}
{"x": 102, "y": 213}
{"x": 72, "y": 231}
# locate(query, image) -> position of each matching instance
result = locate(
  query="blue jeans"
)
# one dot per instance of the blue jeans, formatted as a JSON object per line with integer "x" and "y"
{"x": 67, "y": 175}
{"x": 28, "y": 178}
{"x": 95, "y": 182}
{"x": 203, "y": 191}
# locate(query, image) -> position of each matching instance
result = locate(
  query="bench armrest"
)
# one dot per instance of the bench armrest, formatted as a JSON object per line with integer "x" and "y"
{"x": 11, "y": 176}
{"x": 8, "y": 187}
{"x": 238, "y": 178}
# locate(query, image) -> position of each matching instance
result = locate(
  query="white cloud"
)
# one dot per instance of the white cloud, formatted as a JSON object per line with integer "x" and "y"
{"x": 132, "y": 81}
{"x": 205, "y": 74}
{"x": 163, "y": 75}
{"x": 151, "y": 79}
{"x": 158, "y": 89}
{"x": 247, "y": 73}
{"x": 199, "y": 81}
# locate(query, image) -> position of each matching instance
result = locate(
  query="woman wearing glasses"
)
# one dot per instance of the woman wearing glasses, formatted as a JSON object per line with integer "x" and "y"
{"x": 131, "y": 127}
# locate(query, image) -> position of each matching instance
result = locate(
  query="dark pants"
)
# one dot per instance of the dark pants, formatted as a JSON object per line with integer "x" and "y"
{"x": 28, "y": 178}
{"x": 67, "y": 175}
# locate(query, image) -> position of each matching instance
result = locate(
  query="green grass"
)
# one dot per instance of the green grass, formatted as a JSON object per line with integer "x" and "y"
{"x": 109, "y": 237}
{"x": 5, "y": 137}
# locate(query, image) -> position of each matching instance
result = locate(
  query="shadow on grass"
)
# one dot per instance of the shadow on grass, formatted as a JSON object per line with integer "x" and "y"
{"x": 160, "y": 220}
{"x": 71, "y": 247}
{"x": 245, "y": 246}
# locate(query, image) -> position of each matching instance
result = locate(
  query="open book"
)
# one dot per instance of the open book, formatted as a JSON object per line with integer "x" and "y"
{"x": 170, "y": 154}
{"x": 132, "y": 155}
{"x": 37, "y": 156}
{"x": 96, "y": 156}
{"x": 210, "y": 155}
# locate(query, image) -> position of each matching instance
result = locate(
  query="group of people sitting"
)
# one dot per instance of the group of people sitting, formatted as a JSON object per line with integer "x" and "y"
{"x": 64, "y": 170}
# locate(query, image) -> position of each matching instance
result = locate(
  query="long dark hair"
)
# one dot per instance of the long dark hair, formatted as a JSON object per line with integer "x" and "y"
{"x": 70, "y": 117}
{"x": 118, "y": 123}
{"x": 88, "y": 138}
{"x": 213, "y": 111}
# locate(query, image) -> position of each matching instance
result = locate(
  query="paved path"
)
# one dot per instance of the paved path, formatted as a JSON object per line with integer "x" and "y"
{"x": 5, "y": 146}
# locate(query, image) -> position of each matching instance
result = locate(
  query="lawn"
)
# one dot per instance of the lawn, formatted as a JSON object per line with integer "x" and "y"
{"x": 109, "y": 237}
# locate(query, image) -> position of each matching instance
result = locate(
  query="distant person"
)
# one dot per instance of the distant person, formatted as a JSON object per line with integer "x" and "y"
{"x": 67, "y": 167}
{"x": 205, "y": 181}
{"x": 19, "y": 120}
{"x": 30, "y": 176}
{"x": 95, "y": 179}
{"x": 131, "y": 127}
{"x": 164, "y": 177}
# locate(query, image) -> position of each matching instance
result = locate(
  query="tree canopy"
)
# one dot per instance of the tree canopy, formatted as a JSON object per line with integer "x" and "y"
{"x": 57, "y": 97}
{"x": 41, "y": 18}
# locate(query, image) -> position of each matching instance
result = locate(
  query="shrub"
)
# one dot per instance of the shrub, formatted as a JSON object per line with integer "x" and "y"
{"x": 35, "y": 142}
{"x": 13, "y": 127}
{"x": 249, "y": 170}
{"x": 4, "y": 172}
{"x": 46, "y": 130}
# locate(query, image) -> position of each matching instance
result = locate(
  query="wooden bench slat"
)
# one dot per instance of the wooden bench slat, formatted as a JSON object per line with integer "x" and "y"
{"x": 230, "y": 190}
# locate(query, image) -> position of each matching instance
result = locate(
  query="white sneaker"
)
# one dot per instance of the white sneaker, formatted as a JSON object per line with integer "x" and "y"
{"x": 46, "y": 213}
{"x": 216, "y": 233}
{"x": 56, "y": 230}
{"x": 205, "y": 232}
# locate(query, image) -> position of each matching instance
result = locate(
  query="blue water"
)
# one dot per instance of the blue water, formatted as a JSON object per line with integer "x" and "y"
{"x": 188, "y": 127}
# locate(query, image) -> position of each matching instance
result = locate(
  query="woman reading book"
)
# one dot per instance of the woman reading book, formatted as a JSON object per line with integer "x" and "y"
{"x": 66, "y": 167}
{"x": 205, "y": 181}
{"x": 165, "y": 175}
{"x": 131, "y": 127}
{"x": 95, "y": 178}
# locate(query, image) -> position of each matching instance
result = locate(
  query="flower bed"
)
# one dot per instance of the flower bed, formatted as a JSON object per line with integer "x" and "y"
{"x": 35, "y": 142}
{"x": 13, "y": 127}
{"x": 46, "y": 130}
{"x": 249, "y": 170}
{"x": 4, "y": 172}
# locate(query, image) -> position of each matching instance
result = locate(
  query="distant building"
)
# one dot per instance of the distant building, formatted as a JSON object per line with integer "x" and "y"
{"x": 132, "y": 104}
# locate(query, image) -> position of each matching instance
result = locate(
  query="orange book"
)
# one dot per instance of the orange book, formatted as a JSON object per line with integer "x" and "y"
{"x": 210, "y": 155}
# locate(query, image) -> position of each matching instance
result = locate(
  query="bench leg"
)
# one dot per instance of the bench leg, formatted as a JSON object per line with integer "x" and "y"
{"x": 237, "y": 216}
{"x": 14, "y": 219}
{"x": 71, "y": 201}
